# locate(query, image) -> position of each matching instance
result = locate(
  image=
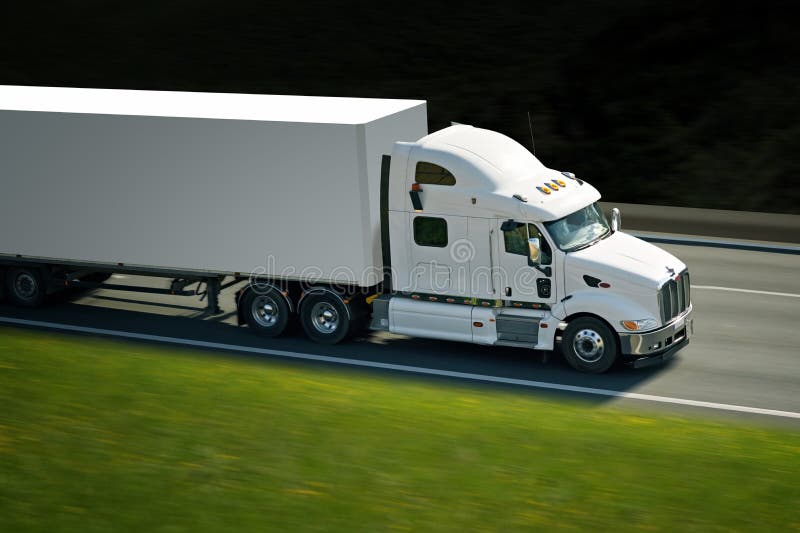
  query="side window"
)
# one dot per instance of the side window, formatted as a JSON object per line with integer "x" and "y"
{"x": 430, "y": 231}
{"x": 428, "y": 173}
{"x": 516, "y": 242}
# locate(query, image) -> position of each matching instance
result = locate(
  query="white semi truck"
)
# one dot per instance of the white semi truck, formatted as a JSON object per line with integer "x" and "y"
{"x": 339, "y": 213}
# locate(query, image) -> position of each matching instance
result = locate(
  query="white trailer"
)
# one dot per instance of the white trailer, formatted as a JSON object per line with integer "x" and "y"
{"x": 218, "y": 183}
{"x": 337, "y": 211}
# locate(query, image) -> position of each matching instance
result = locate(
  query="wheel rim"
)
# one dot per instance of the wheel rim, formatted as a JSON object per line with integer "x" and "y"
{"x": 325, "y": 318}
{"x": 25, "y": 286}
{"x": 588, "y": 345}
{"x": 265, "y": 311}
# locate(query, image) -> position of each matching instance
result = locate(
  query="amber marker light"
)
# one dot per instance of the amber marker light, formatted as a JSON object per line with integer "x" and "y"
{"x": 639, "y": 325}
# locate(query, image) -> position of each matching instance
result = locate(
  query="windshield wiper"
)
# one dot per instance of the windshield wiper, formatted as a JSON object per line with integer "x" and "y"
{"x": 583, "y": 246}
{"x": 590, "y": 243}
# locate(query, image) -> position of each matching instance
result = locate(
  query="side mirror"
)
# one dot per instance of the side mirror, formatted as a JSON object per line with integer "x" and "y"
{"x": 533, "y": 251}
{"x": 534, "y": 257}
{"x": 616, "y": 220}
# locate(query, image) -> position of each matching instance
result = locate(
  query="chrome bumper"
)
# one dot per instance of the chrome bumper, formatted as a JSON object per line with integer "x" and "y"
{"x": 660, "y": 340}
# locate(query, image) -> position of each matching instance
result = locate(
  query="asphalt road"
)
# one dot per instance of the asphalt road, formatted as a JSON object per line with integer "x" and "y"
{"x": 745, "y": 350}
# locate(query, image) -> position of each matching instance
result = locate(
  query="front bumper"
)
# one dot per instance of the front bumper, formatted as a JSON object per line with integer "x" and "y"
{"x": 670, "y": 338}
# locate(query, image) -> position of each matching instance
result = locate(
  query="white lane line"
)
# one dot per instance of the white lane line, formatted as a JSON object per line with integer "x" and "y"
{"x": 402, "y": 368}
{"x": 751, "y": 291}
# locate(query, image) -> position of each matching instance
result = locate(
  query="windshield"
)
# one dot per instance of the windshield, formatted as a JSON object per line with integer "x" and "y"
{"x": 579, "y": 229}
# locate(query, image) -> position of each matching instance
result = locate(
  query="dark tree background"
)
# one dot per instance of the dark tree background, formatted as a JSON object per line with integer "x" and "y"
{"x": 663, "y": 102}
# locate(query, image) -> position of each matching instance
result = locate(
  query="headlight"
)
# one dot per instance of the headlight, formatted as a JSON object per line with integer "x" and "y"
{"x": 639, "y": 325}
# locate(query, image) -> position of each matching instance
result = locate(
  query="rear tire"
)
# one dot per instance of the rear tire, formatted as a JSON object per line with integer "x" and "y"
{"x": 589, "y": 345}
{"x": 266, "y": 311}
{"x": 326, "y": 319}
{"x": 25, "y": 287}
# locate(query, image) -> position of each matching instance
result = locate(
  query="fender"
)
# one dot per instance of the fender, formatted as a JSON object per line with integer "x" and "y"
{"x": 318, "y": 290}
{"x": 241, "y": 293}
{"x": 612, "y": 307}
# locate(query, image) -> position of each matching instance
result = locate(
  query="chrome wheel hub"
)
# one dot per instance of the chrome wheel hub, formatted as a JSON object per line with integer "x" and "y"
{"x": 325, "y": 317}
{"x": 588, "y": 345}
{"x": 265, "y": 311}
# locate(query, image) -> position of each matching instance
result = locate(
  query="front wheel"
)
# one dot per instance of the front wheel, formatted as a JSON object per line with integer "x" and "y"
{"x": 589, "y": 345}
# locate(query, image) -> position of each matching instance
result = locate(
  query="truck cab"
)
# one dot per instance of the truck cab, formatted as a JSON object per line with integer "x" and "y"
{"x": 487, "y": 245}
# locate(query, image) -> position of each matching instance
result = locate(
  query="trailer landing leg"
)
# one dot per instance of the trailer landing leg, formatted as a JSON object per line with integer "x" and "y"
{"x": 212, "y": 291}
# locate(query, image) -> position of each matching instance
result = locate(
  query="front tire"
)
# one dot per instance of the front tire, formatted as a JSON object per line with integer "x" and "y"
{"x": 326, "y": 319}
{"x": 266, "y": 312}
{"x": 25, "y": 287}
{"x": 589, "y": 345}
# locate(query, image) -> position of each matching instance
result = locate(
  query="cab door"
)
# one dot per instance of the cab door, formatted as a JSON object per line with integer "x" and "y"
{"x": 436, "y": 266}
{"x": 521, "y": 284}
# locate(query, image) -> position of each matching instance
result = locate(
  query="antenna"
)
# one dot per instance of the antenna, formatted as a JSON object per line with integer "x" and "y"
{"x": 530, "y": 127}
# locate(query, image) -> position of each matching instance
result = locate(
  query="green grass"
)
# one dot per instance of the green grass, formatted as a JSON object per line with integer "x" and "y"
{"x": 109, "y": 436}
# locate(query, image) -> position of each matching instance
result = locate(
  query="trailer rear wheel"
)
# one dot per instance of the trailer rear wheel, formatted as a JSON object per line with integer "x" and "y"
{"x": 589, "y": 345}
{"x": 25, "y": 287}
{"x": 266, "y": 312}
{"x": 325, "y": 317}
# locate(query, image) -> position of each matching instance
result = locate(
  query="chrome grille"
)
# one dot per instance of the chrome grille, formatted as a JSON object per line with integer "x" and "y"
{"x": 674, "y": 297}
